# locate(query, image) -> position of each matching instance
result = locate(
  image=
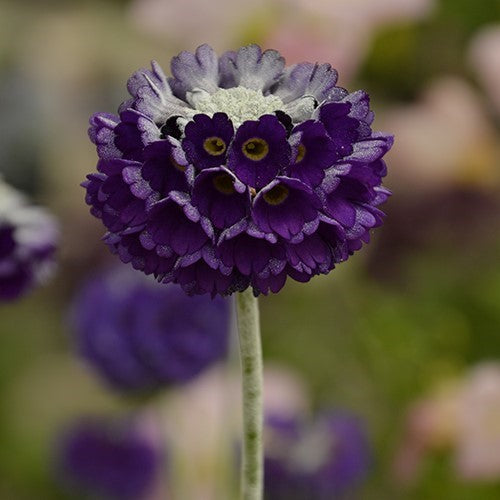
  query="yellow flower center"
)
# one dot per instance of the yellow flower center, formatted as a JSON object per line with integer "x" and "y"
{"x": 223, "y": 183}
{"x": 301, "y": 152}
{"x": 214, "y": 146}
{"x": 277, "y": 195}
{"x": 255, "y": 148}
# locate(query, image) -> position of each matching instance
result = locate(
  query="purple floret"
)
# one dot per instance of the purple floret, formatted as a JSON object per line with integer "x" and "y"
{"x": 313, "y": 153}
{"x": 299, "y": 184}
{"x": 286, "y": 207}
{"x": 207, "y": 139}
{"x": 259, "y": 151}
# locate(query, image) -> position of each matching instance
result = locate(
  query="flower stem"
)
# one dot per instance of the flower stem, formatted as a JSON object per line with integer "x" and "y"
{"x": 251, "y": 368}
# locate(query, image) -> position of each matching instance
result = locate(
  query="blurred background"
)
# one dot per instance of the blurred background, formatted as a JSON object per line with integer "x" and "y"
{"x": 405, "y": 336}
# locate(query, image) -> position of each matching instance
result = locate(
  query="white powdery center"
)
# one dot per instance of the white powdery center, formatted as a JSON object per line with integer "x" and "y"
{"x": 239, "y": 103}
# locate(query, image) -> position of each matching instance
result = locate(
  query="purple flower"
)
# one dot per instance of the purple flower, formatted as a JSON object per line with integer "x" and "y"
{"x": 28, "y": 241}
{"x": 234, "y": 160}
{"x": 259, "y": 152}
{"x": 139, "y": 335}
{"x": 320, "y": 460}
{"x": 101, "y": 459}
{"x": 207, "y": 139}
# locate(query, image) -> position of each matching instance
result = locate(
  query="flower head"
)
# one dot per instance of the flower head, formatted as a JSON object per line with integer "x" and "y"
{"x": 314, "y": 461}
{"x": 237, "y": 171}
{"x": 139, "y": 335}
{"x": 107, "y": 460}
{"x": 28, "y": 240}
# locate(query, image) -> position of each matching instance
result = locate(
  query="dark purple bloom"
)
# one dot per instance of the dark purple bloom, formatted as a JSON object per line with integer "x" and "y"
{"x": 234, "y": 160}
{"x": 259, "y": 151}
{"x": 28, "y": 241}
{"x": 318, "y": 460}
{"x": 111, "y": 198}
{"x": 207, "y": 139}
{"x": 286, "y": 207}
{"x": 164, "y": 169}
{"x": 139, "y": 335}
{"x": 109, "y": 460}
{"x": 313, "y": 152}
{"x": 221, "y": 197}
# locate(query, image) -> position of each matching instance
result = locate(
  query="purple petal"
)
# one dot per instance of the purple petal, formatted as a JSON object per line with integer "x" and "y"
{"x": 216, "y": 195}
{"x": 306, "y": 79}
{"x": 270, "y": 151}
{"x": 195, "y": 71}
{"x": 207, "y": 140}
{"x": 284, "y": 207}
{"x": 251, "y": 68}
{"x": 101, "y": 133}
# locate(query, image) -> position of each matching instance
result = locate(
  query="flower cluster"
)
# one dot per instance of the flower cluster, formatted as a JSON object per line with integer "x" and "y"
{"x": 28, "y": 240}
{"x": 320, "y": 460}
{"x": 140, "y": 336}
{"x": 237, "y": 171}
{"x": 104, "y": 459}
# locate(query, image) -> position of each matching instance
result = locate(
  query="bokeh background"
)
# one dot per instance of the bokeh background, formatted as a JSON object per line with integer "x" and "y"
{"x": 406, "y": 335}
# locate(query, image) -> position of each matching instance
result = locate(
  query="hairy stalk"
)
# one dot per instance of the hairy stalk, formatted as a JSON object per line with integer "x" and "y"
{"x": 252, "y": 375}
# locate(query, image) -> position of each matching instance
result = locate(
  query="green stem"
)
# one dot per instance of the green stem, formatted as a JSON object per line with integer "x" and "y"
{"x": 251, "y": 368}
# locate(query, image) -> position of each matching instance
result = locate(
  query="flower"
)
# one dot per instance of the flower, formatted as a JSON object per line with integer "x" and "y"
{"x": 339, "y": 30}
{"x": 139, "y": 335}
{"x": 459, "y": 416}
{"x": 237, "y": 171}
{"x": 107, "y": 460}
{"x": 478, "y": 436}
{"x": 484, "y": 57}
{"x": 466, "y": 151}
{"x": 314, "y": 461}
{"x": 28, "y": 240}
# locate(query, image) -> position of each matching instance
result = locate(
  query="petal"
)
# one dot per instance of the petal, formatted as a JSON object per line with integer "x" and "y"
{"x": 152, "y": 95}
{"x": 195, "y": 71}
{"x": 101, "y": 133}
{"x": 218, "y": 195}
{"x": 306, "y": 79}
{"x": 285, "y": 207}
{"x": 252, "y": 68}
{"x": 270, "y": 136}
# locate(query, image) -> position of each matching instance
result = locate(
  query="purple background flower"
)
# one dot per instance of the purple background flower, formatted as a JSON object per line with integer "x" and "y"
{"x": 109, "y": 460}
{"x": 139, "y": 335}
{"x": 28, "y": 240}
{"x": 318, "y": 460}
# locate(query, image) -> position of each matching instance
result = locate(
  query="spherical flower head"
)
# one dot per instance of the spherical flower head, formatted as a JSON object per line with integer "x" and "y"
{"x": 28, "y": 241}
{"x": 324, "y": 458}
{"x": 140, "y": 336}
{"x": 237, "y": 171}
{"x": 112, "y": 460}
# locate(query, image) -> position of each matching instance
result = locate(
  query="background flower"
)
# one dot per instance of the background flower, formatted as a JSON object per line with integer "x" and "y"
{"x": 315, "y": 460}
{"x": 106, "y": 459}
{"x": 139, "y": 336}
{"x": 466, "y": 151}
{"x": 459, "y": 417}
{"x": 28, "y": 241}
{"x": 484, "y": 58}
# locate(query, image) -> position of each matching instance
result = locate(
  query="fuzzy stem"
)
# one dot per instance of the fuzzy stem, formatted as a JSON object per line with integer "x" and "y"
{"x": 252, "y": 375}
